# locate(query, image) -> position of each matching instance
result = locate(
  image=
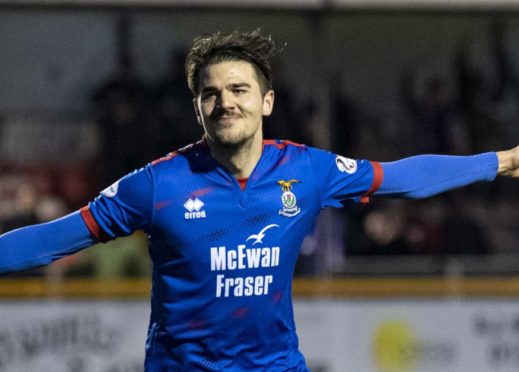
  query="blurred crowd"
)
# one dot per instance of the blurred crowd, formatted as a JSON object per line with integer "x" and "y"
{"x": 474, "y": 112}
{"x": 138, "y": 123}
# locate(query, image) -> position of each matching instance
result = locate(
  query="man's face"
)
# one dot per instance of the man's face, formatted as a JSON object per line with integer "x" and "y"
{"x": 229, "y": 104}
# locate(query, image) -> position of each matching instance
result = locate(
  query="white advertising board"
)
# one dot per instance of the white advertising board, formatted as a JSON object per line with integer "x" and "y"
{"x": 335, "y": 335}
{"x": 73, "y": 336}
{"x": 410, "y": 336}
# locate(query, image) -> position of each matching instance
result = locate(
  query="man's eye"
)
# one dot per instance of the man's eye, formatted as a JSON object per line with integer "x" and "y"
{"x": 207, "y": 96}
{"x": 239, "y": 91}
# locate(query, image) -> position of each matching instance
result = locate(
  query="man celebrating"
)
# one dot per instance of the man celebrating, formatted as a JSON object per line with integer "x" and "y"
{"x": 226, "y": 216}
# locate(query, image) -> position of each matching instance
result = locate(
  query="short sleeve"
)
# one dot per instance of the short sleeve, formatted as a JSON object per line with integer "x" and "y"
{"x": 341, "y": 178}
{"x": 122, "y": 208}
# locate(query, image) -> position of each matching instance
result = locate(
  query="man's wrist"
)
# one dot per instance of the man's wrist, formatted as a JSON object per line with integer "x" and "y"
{"x": 504, "y": 161}
{"x": 508, "y": 162}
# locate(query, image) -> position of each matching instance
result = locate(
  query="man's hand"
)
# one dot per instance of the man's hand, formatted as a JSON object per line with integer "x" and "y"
{"x": 508, "y": 162}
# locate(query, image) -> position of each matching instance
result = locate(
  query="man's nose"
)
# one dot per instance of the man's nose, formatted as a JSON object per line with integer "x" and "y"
{"x": 226, "y": 100}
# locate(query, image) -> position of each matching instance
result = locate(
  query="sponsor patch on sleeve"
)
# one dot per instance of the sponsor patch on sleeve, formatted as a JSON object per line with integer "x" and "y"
{"x": 111, "y": 191}
{"x": 346, "y": 165}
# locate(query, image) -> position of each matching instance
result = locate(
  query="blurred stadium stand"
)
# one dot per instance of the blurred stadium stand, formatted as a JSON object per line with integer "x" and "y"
{"x": 355, "y": 57}
{"x": 393, "y": 286}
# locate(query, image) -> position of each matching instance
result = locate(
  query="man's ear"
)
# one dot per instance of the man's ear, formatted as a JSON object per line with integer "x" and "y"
{"x": 268, "y": 103}
{"x": 197, "y": 111}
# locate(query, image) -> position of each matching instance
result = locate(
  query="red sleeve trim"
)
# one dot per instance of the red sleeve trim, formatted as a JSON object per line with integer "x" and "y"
{"x": 91, "y": 224}
{"x": 378, "y": 177}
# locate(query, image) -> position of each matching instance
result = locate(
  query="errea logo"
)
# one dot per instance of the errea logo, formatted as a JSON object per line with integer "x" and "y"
{"x": 194, "y": 209}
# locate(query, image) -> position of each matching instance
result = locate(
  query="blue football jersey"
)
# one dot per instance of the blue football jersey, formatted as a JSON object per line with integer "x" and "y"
{"x": 223, "y": 258}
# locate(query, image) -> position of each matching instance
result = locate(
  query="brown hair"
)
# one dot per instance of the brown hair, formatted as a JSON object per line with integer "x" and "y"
{"x": 251, "y": 47}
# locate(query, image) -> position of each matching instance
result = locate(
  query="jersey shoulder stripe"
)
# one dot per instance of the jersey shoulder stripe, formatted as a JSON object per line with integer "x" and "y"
{"x": 180, "y": 151}
{"x": 169, "y": 156}
{"x": 281, "y": 144}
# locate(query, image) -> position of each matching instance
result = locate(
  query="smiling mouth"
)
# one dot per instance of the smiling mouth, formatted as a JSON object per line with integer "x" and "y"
{"x": 225, "y": 119}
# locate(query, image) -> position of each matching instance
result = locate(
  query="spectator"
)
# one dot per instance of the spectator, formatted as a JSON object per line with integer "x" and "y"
{"x": 461, "y": 232}
{"x": 122, "y": 106}
{"x": 431, "y": 112}
{"x": 176, "y": 126}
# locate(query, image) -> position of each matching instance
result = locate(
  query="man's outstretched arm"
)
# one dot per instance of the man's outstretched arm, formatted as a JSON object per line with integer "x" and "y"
{"x": 38, "y": 245}
{"x": 423, "y": 176}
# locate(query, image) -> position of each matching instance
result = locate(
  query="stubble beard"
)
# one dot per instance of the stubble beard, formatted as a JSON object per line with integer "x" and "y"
{"x": 230, "y": 139}
{"x": 231, "y": 142}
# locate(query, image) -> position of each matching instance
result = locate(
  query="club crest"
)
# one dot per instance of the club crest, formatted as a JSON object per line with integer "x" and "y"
{"x": 288, "y": 199}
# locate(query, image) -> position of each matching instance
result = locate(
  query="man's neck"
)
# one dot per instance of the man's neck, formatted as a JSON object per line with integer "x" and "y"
{"x": 241, "y": 160}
